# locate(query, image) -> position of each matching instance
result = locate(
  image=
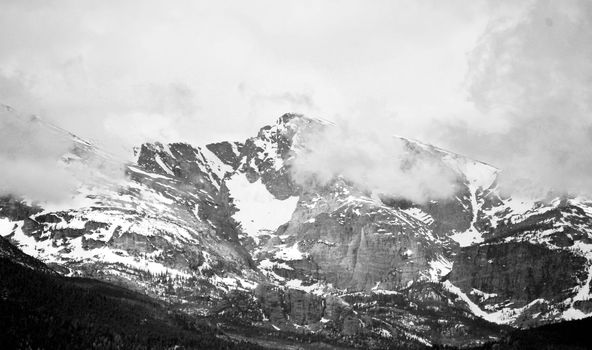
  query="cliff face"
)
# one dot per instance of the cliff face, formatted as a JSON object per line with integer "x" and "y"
{"x": 516, "y": 271}
{"x": 362, "y": 245}
{"x": 225, "y": 231}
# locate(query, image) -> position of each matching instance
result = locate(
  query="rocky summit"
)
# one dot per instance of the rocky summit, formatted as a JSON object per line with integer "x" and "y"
{"x": 224, "y": 232}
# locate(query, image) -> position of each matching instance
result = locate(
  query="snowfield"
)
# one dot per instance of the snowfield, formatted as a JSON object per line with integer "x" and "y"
{"x": 259, "y": 211}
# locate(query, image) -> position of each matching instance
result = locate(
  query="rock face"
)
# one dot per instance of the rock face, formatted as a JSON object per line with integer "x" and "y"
{"x": 291, "y": 305}
{"x": 225, "y": 232}
{"x": 516, "y": 271}
{"x": 361, "y": 245}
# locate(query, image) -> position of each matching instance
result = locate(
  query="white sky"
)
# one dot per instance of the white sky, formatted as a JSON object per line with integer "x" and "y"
{"x": 471, "y": 75}
{"x": 207, "y": 70}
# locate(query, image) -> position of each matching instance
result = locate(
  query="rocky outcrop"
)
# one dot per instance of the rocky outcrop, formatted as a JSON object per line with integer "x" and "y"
{"x": 288, "y": 307}
{"x": 227, "y": 152}
{"x": 16, "y": 209}
{"x": 517, "y": 273}
{"x": 263, "y": 157}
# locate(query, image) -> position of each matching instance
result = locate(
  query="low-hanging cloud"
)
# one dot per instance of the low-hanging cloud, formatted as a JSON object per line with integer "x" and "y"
{"x": 530, "y": 80}
{"x": 375, "y": 161}
{"x": 34, "y": 165}
{"x": 29, "y": 158}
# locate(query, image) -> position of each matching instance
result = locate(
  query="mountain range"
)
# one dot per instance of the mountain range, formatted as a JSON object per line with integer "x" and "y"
{"x": 224, "y": 236}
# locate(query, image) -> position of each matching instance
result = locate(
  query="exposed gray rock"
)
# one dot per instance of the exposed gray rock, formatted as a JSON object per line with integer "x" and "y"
{"x": 517, "y": 272}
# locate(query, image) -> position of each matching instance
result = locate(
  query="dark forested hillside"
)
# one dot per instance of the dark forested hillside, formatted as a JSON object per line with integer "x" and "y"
{"x": 46, "y": 311}
{"x": 569, "y": 335}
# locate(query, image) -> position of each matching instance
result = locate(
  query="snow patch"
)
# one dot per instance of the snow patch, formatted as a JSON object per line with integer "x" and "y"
{"x": 258, "y": 210}
{"x": 154, "y": 176}
{"x": 419, "y": 215}
{"x": 439, "y": 268}
{"x": 468, "y": 237}
{"x": 215, "y": 164}
{"x": 163, "y": 165}
{"x": 289, "y": 253}
{"x": 6, "y": 226}
{"x": 479, "y": 176}
{"x": 505, "y": 315}
{"x": 316, "y": 288}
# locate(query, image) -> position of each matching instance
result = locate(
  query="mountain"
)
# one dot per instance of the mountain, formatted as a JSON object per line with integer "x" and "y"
{"x": 224, "y": 231}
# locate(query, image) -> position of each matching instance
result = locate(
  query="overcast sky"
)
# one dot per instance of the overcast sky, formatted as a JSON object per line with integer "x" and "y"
{"x": 508, "y": 82}
{"x": 205, "y": 70}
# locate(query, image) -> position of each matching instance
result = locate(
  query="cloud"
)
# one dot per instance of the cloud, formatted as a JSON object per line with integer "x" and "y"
{"x": 161, "y": 113}
{"x": 29, "y": 158}
{"x": 530, "y": 81}
{"x": 374, "y": 160}
{"x": 90, "y": 66}
{"x": 33, "y": 163}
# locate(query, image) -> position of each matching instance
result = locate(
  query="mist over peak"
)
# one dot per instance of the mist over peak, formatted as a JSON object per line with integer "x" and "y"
{"x": 376, "y": 161}
{"x": 36, "y": 160}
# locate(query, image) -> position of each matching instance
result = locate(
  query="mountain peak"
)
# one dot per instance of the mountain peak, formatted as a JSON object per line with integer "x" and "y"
{"x": 287, "y": 117}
